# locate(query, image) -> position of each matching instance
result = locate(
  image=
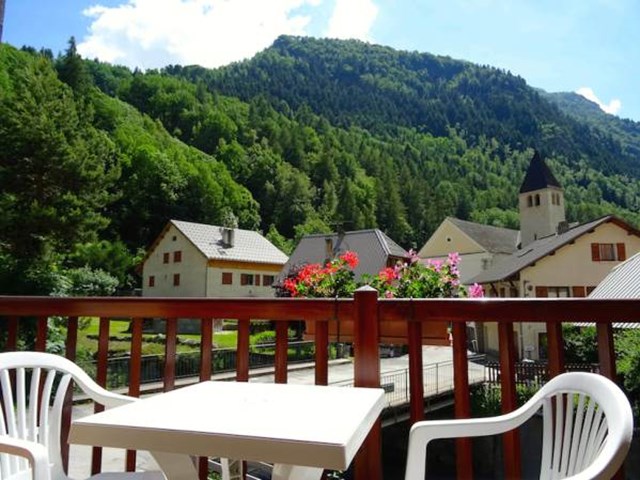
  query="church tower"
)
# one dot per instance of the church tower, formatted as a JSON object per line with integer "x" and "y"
{"x": 541, "y": 203}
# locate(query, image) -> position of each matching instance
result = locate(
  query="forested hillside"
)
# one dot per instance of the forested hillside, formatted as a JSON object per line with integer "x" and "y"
{"x": 95, "y": 158}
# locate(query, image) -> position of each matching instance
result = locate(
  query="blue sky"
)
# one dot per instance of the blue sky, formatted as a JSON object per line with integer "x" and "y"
{"x": 590, "y": 46}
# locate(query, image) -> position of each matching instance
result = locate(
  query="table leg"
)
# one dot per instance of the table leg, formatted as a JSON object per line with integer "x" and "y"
{"x": 176, "y": 466}
{"x": 231, "y": 469}
{"x": 295, "y": 472}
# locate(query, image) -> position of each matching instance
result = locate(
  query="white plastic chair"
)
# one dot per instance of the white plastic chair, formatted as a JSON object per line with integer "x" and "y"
{"x": 587, "y": 428}
{"x": 31, "y": 418}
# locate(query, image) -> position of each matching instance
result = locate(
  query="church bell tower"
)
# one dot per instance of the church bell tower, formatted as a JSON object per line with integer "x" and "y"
{"x": 541, "y": 203}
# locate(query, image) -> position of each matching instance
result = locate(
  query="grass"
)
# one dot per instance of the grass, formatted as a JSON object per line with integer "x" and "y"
{"x": 118, "y": 328}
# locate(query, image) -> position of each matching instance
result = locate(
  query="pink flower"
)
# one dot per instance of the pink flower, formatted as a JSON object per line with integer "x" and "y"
{"x": 351, "y": 258}
{"x": 388, "y": 294}
{"x": 414, "y": 256}
{"x": 454, "y": 259}
{"x": 476, "y": 291}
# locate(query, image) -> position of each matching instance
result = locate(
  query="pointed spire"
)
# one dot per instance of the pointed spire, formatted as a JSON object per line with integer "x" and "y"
{"x": 538, "y": 175}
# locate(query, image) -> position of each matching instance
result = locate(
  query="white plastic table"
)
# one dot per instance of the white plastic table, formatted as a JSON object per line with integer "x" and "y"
{"x": 291, "y": 426}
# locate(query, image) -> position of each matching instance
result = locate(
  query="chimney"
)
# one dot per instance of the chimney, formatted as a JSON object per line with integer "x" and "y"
{"x": 563, "y": 227}
{"x": 328, "y": 248}
{"x": 228, "y": 235}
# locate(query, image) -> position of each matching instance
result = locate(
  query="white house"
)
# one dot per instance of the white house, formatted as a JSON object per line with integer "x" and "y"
{"x": 549, "y": 257}
{"x": 197, "y": 260}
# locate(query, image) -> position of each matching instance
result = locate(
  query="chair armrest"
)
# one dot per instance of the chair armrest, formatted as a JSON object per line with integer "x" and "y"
{"x": 32, "y": 451}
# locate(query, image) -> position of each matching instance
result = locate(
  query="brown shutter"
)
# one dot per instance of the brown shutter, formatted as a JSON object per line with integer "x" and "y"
{"x": 622, "y": 253}
{"x": 595, "y": 252}
{"x": 542, "y": 292}
{"x": 257, "y": 280}
{"x": 578, "y": 291}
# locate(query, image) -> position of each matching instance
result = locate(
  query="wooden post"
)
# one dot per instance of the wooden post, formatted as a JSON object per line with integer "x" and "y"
{"x": 135, "y": 376}
{"x": 322, "y": 353}
{"x": 101, "y": 379}
{"x": 71, "y": 346}
{"x": 368, "y": 465}
{"x": 282, "y": 348}
{"x": 242, "y": 351}
{"x": 555, "y": 348}
{"x": 511, "y": 440}
{"x": 464, "y": 462}
{"x": 171, "y": 340}
{"x": 416, "y": 365}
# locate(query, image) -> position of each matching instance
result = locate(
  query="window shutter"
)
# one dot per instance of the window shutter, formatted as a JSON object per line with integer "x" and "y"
{"x": 542, "y": 292}
{"x": 595, "y": 252}
{"x": 243, "y": 279}
{"x": 578, "y": 291}
{"x": 622, "y": 253}
{"x": 257, "y": 280}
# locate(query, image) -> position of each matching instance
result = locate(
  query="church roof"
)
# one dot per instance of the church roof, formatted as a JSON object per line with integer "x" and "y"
{"x": 538, "y": 176}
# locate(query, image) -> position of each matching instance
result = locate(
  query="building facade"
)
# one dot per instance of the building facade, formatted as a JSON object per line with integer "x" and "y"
{"x": 197, "y": 260}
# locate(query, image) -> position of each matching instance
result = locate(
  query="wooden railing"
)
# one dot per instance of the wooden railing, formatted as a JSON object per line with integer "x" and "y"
{"x": 369, "y": 316}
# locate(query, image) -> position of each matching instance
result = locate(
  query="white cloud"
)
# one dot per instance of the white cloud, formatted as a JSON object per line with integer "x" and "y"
{"x": 152, "y": 33}
{"x": 352, "y": 19}
{"x": 613, "y": 107}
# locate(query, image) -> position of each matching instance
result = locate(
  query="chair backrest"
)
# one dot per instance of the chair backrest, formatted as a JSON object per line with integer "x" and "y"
{"x": 33, "y": 386}
{"x": 587, "y": 427}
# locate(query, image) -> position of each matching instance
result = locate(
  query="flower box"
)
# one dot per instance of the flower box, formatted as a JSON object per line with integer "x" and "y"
{"x": 390, "y": 332}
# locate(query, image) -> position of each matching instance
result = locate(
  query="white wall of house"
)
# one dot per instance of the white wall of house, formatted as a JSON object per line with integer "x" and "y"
{"x": 569, "y": 272}
{"x": 448, "y": 238}
{"x": 216, "y": 288}
{"x": 159, "y": 276}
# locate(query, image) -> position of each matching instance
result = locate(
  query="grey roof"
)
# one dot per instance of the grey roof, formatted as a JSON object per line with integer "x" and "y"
{"x": 538, "y": 249}
{"x": 622, "y": 282}
{"x": 373, "y": 247}
{"x": 538, "y": 176}
{"x": 492, "y": 239}
{"x": 248, "y": 246}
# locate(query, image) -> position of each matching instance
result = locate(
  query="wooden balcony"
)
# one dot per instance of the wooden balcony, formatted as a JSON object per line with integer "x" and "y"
{"x": 367, "y": 315}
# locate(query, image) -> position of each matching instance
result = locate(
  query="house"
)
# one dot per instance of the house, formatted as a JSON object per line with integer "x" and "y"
{"x": 374, "y": 248}
{"x": 479, "y": 245}
{"x": 550, "y": 258}
{"x": 622, "y": 282}
{"x": 197, "y": 260}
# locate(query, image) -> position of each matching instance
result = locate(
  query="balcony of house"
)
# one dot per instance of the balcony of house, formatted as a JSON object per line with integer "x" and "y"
{"x": 365, "y": 321}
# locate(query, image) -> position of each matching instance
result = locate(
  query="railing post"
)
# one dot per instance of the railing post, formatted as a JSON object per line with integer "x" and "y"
{"x": 464, "y": 462}
{"x": 511, "y": 440}
{"x": 416, "y": 370}
{"x": 555, "y": 349}
{"x": 368, "y": 465}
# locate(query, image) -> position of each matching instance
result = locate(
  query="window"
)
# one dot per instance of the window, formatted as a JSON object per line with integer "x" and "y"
{"x": 608, "y": 252}
{"x": 558, "y": 292}
{"x": 165, "y": 258}
{"x": 152, "y": 280}
{"x": 529, "y": 201}
{"x": 227, "y": 278}
{"x": 176, "y": 279}
{"x": 267, "y": 280}
{"x": 177, "y": 256}
{"x": 246, "y": 279}
{"x": 537, "y": 199}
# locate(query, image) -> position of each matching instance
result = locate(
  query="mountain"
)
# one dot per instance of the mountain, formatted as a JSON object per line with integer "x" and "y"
{"x": 625, "y": 131}
{"x": 306, "y": 137}
{"x": 380, "y": 89}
